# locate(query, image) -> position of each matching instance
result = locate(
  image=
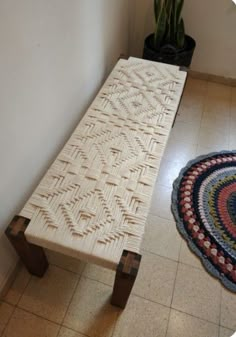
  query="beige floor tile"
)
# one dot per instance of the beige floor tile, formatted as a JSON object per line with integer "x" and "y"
{"x": 217, "y": 106}
{"x": 228, "y": 309}
{"x": 179, "y": 151}
{"x": 232, "y": 141}
{"x": 217, "y": 90}
{"x": 16, "y": 290}
{"x": 65, "y": 262}
{"x": 204, "y": 150}
{"x": 100, "y": 274}
{"x": 183, "y": 325}
{"x": 190, "y": 109}
{"x": 49, "y": 296}
{"x": 189, "y": 115}
{"x": 162, "y": 238}
{"x": 233, "y": 108}
{"x": 187, "y": 132}
{"x": 161, "y": 202}
{"x": 188, "y": 257}
{"x": 213, "y": 138}
{"x": 64, "y": 332}
{"x": 24, "y": 324}
{"x": 191, "y": 105}
{"x": 233, "y": 93}
{"x": 156, "y": 279}
{"x": 195, "y": 87}
{"x": 6, "y": 311}
{"x": 220, "y": 123}
{"x": 232, "y": 138}
{"x": 226, "y": 332}
{"x": 90, "y": 312}
{"x": 142, "y": 318}
{"x": 197, "y": 293}
{"x": 169, "y": 171}
{"x": 216, "y": 114}
{"x": 233, "y": 123}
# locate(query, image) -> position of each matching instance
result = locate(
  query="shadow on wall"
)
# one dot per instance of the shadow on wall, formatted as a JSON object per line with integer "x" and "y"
{"x": 141, "y": 26}
{"x": 54, "y": 57}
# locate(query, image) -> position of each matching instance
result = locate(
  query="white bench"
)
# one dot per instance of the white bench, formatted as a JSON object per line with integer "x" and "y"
{"x": 93, "y": 202}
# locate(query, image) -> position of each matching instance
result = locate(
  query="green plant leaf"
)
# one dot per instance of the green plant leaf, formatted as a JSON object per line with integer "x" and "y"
{"x": 180, "y": 36}
{"x": 170, "y": 31}
{"x": 157, "y": 8}
{"x": 169, "y": 24}
{"x": 178, "y": 10}
{"x": 160, "y": 27}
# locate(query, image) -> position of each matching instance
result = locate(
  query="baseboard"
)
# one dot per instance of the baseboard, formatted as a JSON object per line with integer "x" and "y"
{"x": 212, "y": 78}
{"x": 9, "y": 279}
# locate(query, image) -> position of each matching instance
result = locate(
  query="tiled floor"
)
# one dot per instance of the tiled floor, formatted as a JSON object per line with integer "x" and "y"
{"x": 173, "y": 296}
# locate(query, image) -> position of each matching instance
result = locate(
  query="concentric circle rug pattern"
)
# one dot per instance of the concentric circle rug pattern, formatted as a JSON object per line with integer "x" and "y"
{"x": 204, "y": 206}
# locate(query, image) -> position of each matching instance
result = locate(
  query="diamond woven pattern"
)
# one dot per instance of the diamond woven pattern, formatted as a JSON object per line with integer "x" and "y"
{"x": 94, "y": 200}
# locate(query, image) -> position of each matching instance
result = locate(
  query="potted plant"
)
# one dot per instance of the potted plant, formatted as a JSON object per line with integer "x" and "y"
{"x": 169, "y": 43}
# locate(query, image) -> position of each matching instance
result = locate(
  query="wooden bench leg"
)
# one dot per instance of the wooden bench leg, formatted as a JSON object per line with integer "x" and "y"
{"x": 126, "y": 273}
{"x": 31, "y": 255}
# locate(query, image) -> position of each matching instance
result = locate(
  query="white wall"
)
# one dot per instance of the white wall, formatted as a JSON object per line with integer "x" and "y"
{"x": 54, "y": 56}
{"x": 211, "y": 22}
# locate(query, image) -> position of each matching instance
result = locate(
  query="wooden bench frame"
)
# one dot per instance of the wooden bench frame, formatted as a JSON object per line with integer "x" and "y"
{"x": 35, "y": 261}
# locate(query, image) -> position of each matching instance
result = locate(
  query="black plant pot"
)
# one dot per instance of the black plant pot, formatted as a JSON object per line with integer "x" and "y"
{"x": 168, "y": 53}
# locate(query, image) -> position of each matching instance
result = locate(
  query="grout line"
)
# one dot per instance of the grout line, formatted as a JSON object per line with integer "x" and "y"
{"x": 24, "y": 290}
{"x": 229, "y": 126}
{"x": 63, "y": 320}
{"x": 139, "y": 296}
{"x": 77, "y": 332}
{"x": 70, "y": 271}
{"x": 177, "y": 261}
{"x": 9, "y": 319}
{"x": 221, "y": 294}
{"x": 203, "y": 104}
{"x": 72, "y": 296}
{"x": 58, "y": 331}
{"x": 226, "y": 327}
{"x": 201, "y": 319}
{"x": 183, "y": 312}
{"x": 31, "y": 277}
{"x": 115, "y": 324}
{"x": 37, "y": 315}
{"x": 29, "y": 312}
{"x": 162, "y": 256}
{"x": 93, "y": 279}
{"x": 172, "y": 296}
{"x": 230, "y": 115}
{"x": 15, "y": 306}
{"x": 159, "y": 216}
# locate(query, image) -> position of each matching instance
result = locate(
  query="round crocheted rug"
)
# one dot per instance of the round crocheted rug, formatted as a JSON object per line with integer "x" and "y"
{"x": 204, "y": 206}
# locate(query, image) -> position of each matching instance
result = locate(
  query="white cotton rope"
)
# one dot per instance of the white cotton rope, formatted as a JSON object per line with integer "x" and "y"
{"x": 94, "y": 200}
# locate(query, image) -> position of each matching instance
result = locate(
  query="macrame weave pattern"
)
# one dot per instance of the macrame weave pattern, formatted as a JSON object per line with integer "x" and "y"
{"x": 94, "y": 199}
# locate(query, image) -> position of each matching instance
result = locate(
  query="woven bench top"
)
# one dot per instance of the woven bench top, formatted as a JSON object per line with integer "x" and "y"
{"x": 94, "y": 200}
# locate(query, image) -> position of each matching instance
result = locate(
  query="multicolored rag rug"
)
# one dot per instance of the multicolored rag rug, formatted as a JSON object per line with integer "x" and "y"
{"x": 204, "y": 206}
